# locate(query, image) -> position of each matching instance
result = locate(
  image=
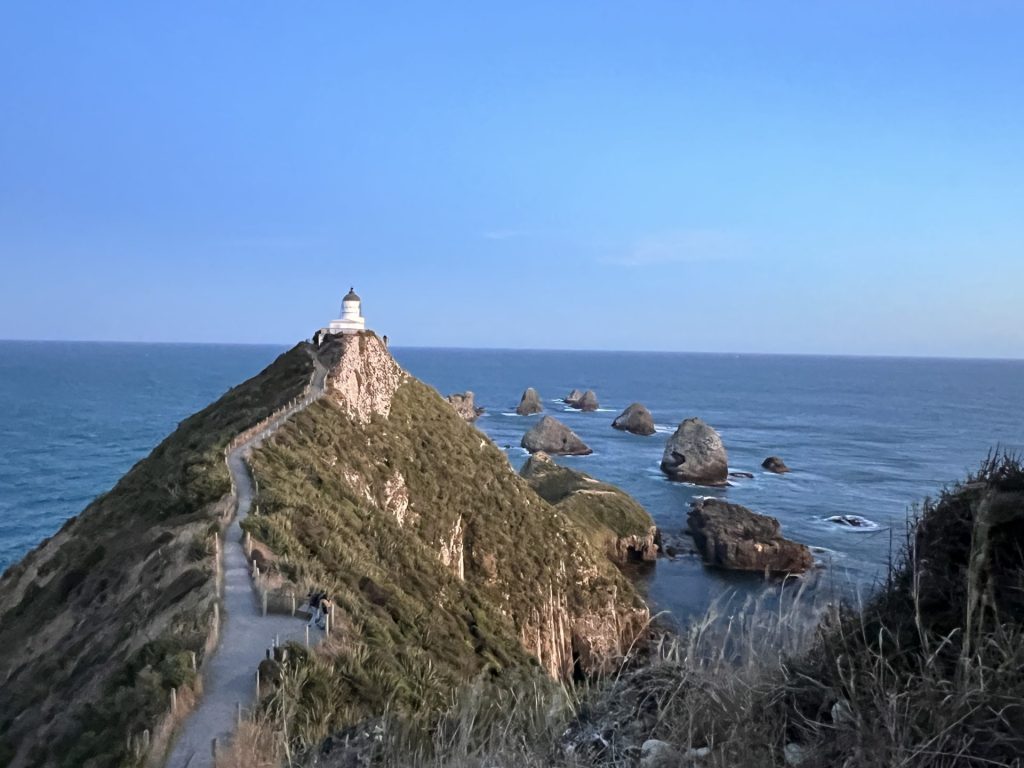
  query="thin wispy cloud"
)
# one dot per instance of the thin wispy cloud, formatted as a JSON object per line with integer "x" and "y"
{"x": 684, "y": 247}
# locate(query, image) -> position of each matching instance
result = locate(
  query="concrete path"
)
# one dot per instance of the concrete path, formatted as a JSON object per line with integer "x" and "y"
{"x": 229, "y": 676}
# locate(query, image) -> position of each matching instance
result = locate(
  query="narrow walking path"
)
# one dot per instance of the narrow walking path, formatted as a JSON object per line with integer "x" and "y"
{"x": 229, "y": 676}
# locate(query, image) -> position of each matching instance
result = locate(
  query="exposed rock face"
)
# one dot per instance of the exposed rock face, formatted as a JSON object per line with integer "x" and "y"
{"x": 362, "y": 376}
{"x": 530, "y": 403}
{"x": 584, "y": 401}
{"x": 464, "y": 404}
{"x": 695, "y": 454}
{"x": 731, "y": 536}
{"x": 614, "y": 518}
{"x": 552, "y": 436}
{"x": 527, "y": 579}
{"x": 636, "y": 419}
{"x": 775, "y": 464}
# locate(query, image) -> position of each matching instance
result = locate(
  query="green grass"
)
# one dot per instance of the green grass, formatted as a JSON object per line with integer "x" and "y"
{"x": 928, "y": 673}
{"x": 603, "y": 512}
{"x": 412, "y": 631}
{"x": 96, "y": 622}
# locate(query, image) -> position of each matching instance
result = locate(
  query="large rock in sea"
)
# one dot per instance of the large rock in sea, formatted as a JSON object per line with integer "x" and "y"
{"x": 465, "y": 405}
{"x": 636, "y": 419}
{"x": 775, "y": 464}
{"x": 615, "y": 519}
{"x": 552, "y": 436}
{"x": 695, "y": 454}
{"x": 731, "y": 536}
{"x": 573, "y": 397}
{"x": 530, "y": 403}
{"x": 584, "y": 401}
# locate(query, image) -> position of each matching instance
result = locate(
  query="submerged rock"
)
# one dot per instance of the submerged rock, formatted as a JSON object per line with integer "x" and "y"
{"x": 465, "y": 405}
{"x": 695, "y": 454}
{"x": 636, "y": 419}
{"x": 529, "y": 403}
{"x": 775, "y": 464}
{"x": 552, "y": 436}
{"x": 852, "y": 521}
{"x": 742, "y": 475}
{"x": 612, "y": 516}
{"x": 731, "y": 536}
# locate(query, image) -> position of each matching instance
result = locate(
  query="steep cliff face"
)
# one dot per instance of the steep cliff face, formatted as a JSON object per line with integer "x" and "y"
{"x": 362, "y": 377}
{"x": 443, "y": 561}
{"x": 99, "y": 622}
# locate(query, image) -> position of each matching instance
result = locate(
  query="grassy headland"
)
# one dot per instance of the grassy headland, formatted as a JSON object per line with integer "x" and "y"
{"x": 98, "y": 623}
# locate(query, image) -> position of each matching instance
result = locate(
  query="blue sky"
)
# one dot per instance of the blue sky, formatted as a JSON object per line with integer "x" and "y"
{"x": 743, "y": 177}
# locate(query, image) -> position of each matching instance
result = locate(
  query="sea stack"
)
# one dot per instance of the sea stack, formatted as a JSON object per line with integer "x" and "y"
{"x": 552, "y": 436}
{"x": 529, "y": 403}
{"x": 583, "y": 401}
{"x": 695, "y": 454}
{"x": 636, "y": 419}
{"x": 465, "y": 405}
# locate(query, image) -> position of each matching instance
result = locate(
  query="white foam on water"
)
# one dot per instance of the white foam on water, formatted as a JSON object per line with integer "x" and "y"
{"x": 863, "y": 525}
{"x": 661, "y": 430}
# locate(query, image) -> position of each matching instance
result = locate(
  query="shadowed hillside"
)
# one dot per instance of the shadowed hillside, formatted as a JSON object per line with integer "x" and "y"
{"x": 98, "y": 622}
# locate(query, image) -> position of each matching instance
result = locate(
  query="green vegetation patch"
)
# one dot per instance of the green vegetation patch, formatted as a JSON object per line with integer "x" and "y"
{"x": 98, "y": 622}
{"x": 365, "y": 511}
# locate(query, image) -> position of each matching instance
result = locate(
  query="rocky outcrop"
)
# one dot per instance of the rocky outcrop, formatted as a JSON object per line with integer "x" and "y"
{"x": 552, "y": 436}
{"x": 695, "y": 454}
{"x": 530, "y": 403}
{"x": 610, "y": 515}
{"x": 775, "y": 464}
{"x": 362, "y": 376}
{"x": 636, "y": 419}
{"x": 584, "y": 401}
{"x": 731, "y": 536}
{"x": 465, "y": 405}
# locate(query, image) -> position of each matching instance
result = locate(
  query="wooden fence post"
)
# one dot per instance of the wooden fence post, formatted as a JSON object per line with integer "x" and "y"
{"x": 193, "y": 655}
{"x": 213, "y": 748}
{"x": 264, "y": 601}
{"x": 257, "y": 684}
{"x": 238, "y": 705}
{"x": 174, "y": 700}
{"x": 293, "y": 604}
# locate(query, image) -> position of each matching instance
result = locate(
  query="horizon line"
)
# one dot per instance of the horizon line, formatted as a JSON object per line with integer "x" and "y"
{"x": 288, "y": 345}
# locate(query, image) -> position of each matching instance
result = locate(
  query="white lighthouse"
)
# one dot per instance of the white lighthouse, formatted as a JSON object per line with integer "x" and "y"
{"x": 351, "y": 320}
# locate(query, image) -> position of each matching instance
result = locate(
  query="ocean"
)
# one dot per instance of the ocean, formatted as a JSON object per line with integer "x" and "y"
{"x": 863, "y": 436}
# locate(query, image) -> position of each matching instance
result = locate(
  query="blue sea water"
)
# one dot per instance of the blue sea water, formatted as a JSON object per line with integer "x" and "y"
{"x": 864, "y": 436}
